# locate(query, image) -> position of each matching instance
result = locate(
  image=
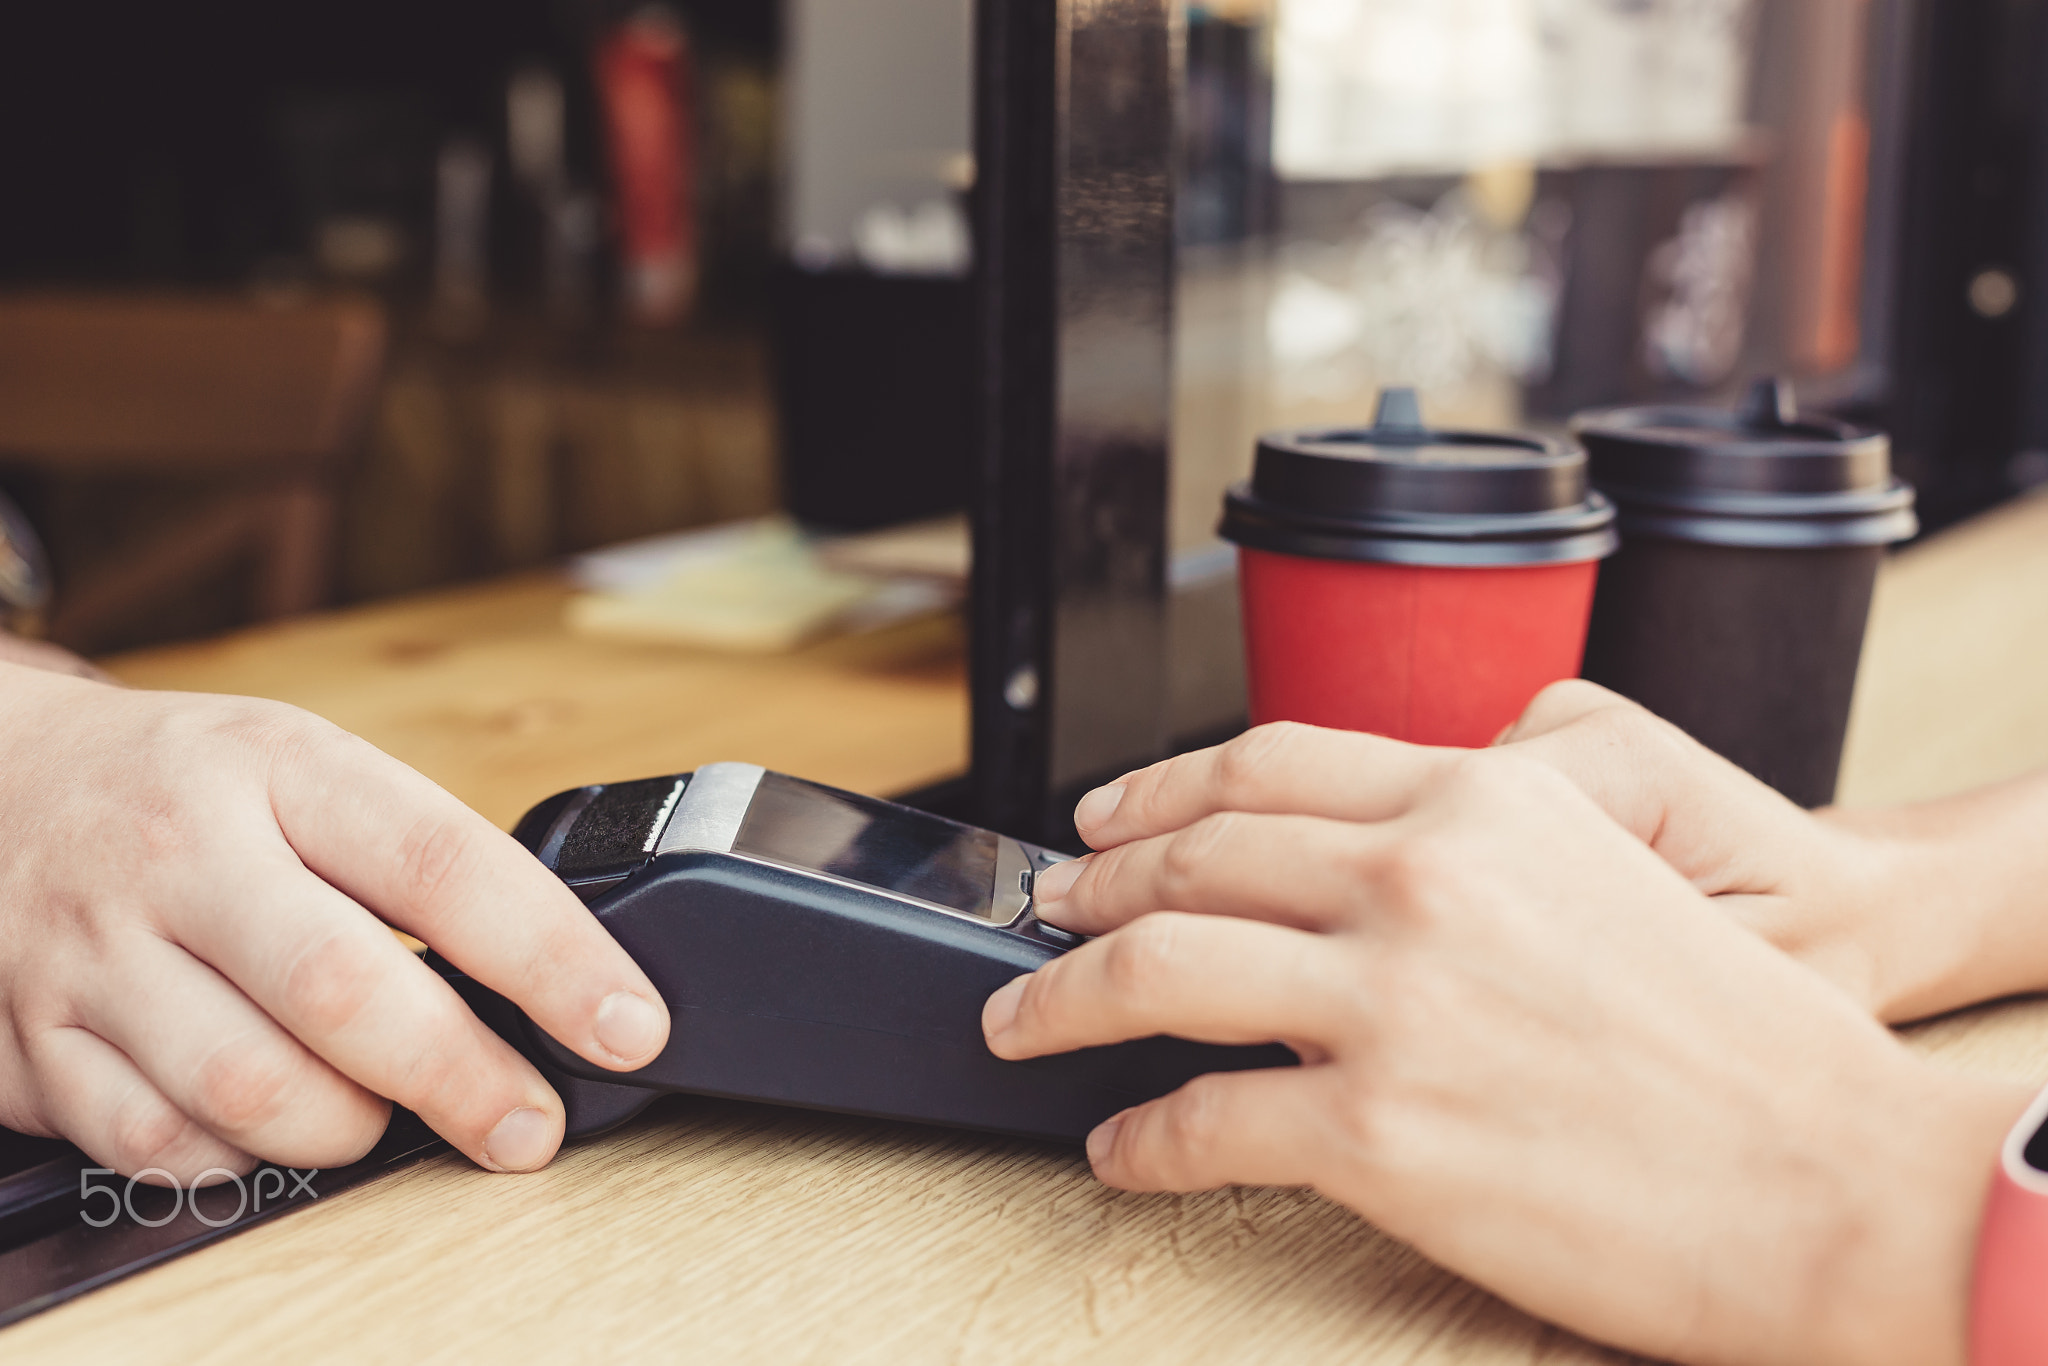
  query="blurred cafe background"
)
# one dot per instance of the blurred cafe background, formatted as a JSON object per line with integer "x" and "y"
{"x": 415, "y": 293}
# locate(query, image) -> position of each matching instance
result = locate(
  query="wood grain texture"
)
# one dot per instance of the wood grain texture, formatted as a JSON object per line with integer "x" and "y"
{"x": 1954, "y": 689}
{"x": 483, "y": 691}
{"x": 712, "y": 1231}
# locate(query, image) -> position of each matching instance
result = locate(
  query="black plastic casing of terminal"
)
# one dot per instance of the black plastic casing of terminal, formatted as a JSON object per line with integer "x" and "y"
{"x": 799, "y": 991}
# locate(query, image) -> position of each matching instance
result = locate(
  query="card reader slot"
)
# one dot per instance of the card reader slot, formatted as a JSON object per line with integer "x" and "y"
{"x": 615, "y": 832}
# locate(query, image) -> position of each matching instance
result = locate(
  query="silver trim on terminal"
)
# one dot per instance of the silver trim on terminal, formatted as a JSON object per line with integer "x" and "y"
{"x": 1011, "y": 894}
{"x": 708, "y": 817}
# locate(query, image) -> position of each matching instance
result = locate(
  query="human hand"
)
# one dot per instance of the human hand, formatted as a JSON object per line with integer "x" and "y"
{"x": 38, "y": 654}
{"x": 1530, "y": 1049}
{"x": 197, "y": 968}
{"x": 1913, "y": 911}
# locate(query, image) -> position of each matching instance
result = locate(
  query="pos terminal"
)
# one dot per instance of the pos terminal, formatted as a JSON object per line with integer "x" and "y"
{"x": 823, "y": 949}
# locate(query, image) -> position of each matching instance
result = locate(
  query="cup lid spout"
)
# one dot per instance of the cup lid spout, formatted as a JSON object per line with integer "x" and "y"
{"x": 1772, "y": 404}
{"x": 1399, "y": 415}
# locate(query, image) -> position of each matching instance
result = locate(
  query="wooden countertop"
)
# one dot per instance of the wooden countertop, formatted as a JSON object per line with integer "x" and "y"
{"x": 482, "y": 690}
{"x": 733, "y": 1233}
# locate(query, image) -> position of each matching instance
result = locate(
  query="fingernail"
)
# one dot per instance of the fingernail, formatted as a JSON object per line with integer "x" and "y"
{"x": 1098, "y": 806}
{"x": 522, "y": 1141}
{"x": 1056, "y": 881}
{"x": 1001, "y": 1011}
{"x": 628, "y": 1026}
{"x": 1102, "y": 1142}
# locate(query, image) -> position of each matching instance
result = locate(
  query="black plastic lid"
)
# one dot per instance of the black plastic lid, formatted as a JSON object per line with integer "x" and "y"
{"x": 1764, "y": 475}
{"x": 1400, "y": 492}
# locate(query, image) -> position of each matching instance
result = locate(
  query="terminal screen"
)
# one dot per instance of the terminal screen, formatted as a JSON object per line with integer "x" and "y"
{"x": 874, "y": 843}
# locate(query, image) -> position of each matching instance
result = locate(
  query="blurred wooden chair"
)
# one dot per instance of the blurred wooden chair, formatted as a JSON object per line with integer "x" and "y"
{"x": 262, "y": 405}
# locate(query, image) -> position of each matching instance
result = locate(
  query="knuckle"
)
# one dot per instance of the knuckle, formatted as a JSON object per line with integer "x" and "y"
{"x": 148, "y": 1132}
{"x": 249, "y": 740}
{"x": 436, "y": 858}
{"x": 1526, "y": 781}
{"x": 1140, "y": 958}
{"x": 561, "y": 950}
{"x": 1191, "y": 853}
{"x": 243, "y": 1088}
{"x": 330, "y": 987}
{"x": 275, "y": 729}
{"x": 1361, "y": 1117}
{"x": 1417, "y": 860}
{"x": 1243, "y": 764}
{"x": 1578, "y": 707}
{"x": 1566, "y": 700}
{"x": 1102, "y": 882}
{"x": 438, "y": 1065}
{"x": 1455, "y": 773}
{"x": 1619, "y": 720}
{"x": 74, "y": 938}
{"x": 1651, "y": 745}
{"x": 1605, "y": 719}
{"x": 1194, "y": 1125}
{"x": 1515, "y": 774}
{"x": 1486, "y": 778}
{"x": 1411, "y": 875}
{"x": 286, "y": 746}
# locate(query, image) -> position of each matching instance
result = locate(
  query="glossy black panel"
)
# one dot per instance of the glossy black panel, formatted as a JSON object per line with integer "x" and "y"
{"x": 67, "y": 1227}
{"x": 874, "y": 843}
{"x": 1075, "y": 145}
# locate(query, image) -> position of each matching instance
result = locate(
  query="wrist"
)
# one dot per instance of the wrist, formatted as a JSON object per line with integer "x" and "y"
{"x": 1891, "y": 1268}
{"x": 1968, "y": 871}
{"x": 1855, "y": 911}
{"x": 1918, "y": 918}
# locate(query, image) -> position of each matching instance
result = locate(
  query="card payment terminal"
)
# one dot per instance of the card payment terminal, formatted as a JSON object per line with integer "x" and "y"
{"x": 823, "y": 949}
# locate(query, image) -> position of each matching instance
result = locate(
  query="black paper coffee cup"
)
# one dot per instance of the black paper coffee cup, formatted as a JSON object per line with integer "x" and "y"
{"x": 1750, "y": 546}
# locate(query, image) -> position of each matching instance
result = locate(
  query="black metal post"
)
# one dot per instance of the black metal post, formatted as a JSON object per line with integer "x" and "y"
{"x": 1075, "y": 149}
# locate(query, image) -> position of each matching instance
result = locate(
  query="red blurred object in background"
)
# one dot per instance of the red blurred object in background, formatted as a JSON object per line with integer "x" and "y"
{"x": 646, "y": 83}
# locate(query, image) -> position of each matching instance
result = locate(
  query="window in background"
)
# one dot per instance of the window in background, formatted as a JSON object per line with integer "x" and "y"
{"x": 1525, "y": 207}
{"x": 874, "y": 315}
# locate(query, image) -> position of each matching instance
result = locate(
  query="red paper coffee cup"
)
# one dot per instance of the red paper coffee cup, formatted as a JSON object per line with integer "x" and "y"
{"x": 1414, "y": 583}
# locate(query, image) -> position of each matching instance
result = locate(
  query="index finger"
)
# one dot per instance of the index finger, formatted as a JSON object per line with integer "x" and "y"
{"x": 1284, "y": 769}
{"x": 1207, "y": 978}
{"x": 398, "y": 844}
